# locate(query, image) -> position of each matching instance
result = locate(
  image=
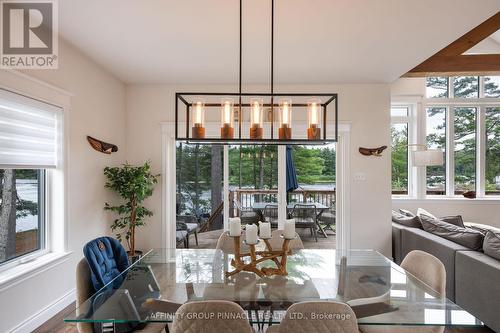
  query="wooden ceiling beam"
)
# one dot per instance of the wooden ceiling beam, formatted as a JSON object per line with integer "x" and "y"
{"x": 478, "y": 64}
{"x": 451, "y": 60}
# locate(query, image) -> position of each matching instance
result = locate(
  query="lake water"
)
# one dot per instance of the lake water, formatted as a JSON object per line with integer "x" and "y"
{"x": 27, "y": 189}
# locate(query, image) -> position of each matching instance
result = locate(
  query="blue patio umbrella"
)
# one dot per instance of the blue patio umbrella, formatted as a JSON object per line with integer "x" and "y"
{"x": 291, "y": 174}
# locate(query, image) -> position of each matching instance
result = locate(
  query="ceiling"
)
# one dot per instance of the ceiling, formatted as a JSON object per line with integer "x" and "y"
{"x": 316, "y": 41}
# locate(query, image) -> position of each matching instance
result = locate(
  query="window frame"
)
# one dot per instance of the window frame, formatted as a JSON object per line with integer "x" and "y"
{"x": 409, "y": 120}
{"x": 417, "y": 124}
{"x": 44, "y": 227}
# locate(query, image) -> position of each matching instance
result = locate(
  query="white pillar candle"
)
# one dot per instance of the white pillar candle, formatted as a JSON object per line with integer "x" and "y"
{"x": 234, "y": 226}
{"x": 265, "y": 229}
{"x": 251, "y": 234}
{"x": 289, "y": 231}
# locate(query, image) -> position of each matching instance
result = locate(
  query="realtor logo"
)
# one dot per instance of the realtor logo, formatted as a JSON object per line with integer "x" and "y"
{"x": 29, "y": 38}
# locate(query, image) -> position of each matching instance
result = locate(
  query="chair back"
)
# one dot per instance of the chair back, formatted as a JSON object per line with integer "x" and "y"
{"x": 427, "y": 268}
{"x": 84, "y": 290}
{"x": 225, "y": 243}
{"x": 211, "y": 317}
{"x": 107, "y": 259}
{"x": 319, "y": 317}
{"x": 304, "y": 213}
{"x": 270, "y": 212}
{"x": 276, "y": 241}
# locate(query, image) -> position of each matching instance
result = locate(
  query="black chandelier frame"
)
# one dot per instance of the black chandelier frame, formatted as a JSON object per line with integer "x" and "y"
{"x": 181, "y": 98}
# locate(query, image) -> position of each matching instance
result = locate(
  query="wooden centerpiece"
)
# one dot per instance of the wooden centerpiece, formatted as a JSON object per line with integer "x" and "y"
{"x": 279, "y": 257}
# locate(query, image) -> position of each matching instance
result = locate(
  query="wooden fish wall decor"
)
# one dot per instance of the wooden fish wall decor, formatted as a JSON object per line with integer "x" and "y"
{"x": 372, "y": 151}
{"x": 101, "y": 146}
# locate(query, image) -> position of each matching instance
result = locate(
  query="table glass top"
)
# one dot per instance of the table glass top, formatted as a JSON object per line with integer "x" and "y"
{"x": 379, "y": 291}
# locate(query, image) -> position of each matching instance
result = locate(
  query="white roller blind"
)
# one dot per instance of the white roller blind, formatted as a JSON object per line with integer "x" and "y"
{"x": 29, "y": 132}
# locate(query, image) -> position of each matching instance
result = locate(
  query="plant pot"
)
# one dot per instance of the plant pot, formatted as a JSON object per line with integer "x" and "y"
{"x": 134, "y": 257}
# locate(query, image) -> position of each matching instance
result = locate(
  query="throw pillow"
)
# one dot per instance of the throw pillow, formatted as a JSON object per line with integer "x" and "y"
{"x": 413, "y": 222}
{"x": 491, "y": 245}
{"x": 483, "y": 228}
{"x": 406, "y": 212}
{"x": 469, "y": 238}
{"x": 454, "y": 219}
{"x": 421, "y": 211}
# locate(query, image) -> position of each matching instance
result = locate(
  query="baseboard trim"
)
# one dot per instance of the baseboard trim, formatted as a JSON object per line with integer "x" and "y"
{"x": 45, "y": 314}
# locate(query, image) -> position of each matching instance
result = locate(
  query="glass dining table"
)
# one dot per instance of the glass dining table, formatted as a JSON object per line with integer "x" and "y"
{"x": 379, "y": 291}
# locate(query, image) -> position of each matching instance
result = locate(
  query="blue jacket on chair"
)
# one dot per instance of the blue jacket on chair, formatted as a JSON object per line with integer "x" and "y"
{"x": 107, "y": 259}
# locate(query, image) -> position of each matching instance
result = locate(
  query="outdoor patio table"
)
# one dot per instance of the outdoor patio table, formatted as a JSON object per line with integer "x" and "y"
{"x": 320, "y": 208}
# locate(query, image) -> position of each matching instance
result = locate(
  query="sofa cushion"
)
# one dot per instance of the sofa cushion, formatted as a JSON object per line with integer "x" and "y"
{"x": 469, "y": 238}
{"x": 421, "y": 211}
{"x": 405, "y": 220}
{"x": 454, "y": 219}
{"x": 491, "y": 245}
{"x": 483, "y": 228}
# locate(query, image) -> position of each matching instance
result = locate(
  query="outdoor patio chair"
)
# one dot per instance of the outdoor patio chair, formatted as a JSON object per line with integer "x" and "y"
{"x": 305, "y": 217}
{"x": 270, "y": 214}
{"x": 247, "y": 215}
{"x": 328, "y": 221}
{"x": 192, "y": 226}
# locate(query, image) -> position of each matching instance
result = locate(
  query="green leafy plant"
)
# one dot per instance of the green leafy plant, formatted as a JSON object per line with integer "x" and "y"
{"x": 134, "y": 184}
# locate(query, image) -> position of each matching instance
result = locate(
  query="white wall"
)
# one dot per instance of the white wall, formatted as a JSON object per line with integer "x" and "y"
{"x": 97, "y": 109}
{"x": 477, "y": 210}
{"x": 365, "y": 106}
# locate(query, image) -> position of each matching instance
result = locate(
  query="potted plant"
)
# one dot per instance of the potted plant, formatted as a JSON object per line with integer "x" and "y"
{"x": 134, "y": 184}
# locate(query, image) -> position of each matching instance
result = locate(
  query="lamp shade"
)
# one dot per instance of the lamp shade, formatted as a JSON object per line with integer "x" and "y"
{"x": 428, "y": 157}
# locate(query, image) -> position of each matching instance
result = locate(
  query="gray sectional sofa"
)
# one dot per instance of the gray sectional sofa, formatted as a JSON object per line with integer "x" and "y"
{"x": 472, "y": 277}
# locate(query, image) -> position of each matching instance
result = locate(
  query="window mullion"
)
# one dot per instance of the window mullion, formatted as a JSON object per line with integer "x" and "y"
{"x": 481, "y": 151}
{"x": 420, "y": 130}
{"x": 450, "y": 151}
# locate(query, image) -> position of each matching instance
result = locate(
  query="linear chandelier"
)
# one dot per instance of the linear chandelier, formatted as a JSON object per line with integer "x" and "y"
{"x": 249, "y": 118}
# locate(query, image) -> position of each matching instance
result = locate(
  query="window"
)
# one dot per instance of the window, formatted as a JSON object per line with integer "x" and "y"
{"x": 462, "y": 118}
{"x": 466, "y": 87}
{"x": 399, "y": 136}
{"x": 465, "y": 149}
{"x": 436, "y": 139}
{"x": 492, "y": 158}
{"x": 399, "y": 143}
{"x": 492, "y": 86}
{"x": 436, "y": 87}
{"x": 22, "y": 218}
{"x": 29, "y": 135}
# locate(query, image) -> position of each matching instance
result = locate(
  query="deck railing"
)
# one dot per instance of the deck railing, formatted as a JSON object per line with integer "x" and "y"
{"x": 246, "y": 197}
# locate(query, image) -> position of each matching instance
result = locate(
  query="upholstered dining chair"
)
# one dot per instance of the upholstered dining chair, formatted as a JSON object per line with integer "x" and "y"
{"x": 276, "y": 241}
{"x": 431, "y": 271}
{"x": 295, "y": 323}
{"x": 85, "y": 290}
{"x": 211, "y": 317}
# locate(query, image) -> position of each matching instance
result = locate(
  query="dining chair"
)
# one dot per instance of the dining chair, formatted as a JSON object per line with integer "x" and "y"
{"x": 247, "y": 215}
{"x": 85, "y": 290}
{"x": 318, "y": 317}
{"x": 270, "y": 214}
{"x": 211, "y": 317}
{"x": 225, "y": 243}
{"x": 276, "y": 241}
{"x": 431, "y": 271}
{"x": 305, "y": 216}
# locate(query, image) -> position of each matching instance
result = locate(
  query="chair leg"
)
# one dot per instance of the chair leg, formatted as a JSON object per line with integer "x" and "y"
{"x": 187, "y": 241}
{"x": 196, "y": 237}
{"x": 315, "y": 233}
